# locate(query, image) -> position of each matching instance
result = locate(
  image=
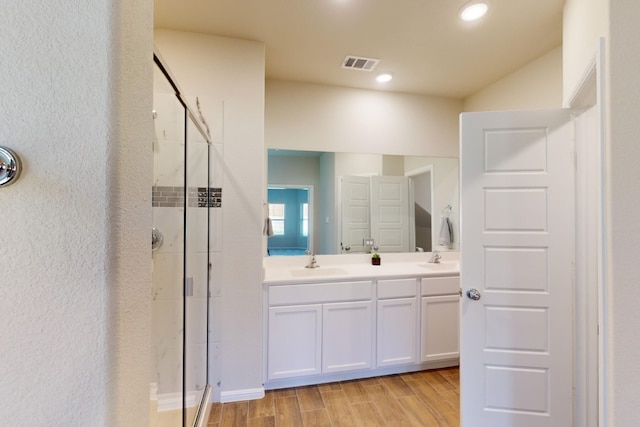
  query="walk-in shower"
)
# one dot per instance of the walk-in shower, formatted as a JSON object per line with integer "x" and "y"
{"x": 181, "y": 199}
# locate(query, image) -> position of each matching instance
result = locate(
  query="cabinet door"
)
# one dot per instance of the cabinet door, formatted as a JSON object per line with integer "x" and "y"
{"x": 397, "y": 331}
{"x": 295, "y": 339}
{"x": 347, "y": 338}
{"x": 440, "y": 328}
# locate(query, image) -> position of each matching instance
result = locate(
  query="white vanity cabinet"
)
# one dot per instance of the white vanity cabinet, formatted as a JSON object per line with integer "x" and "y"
{"x": 319, "y": 328}
{"x": 397, "y": 322}
{"x": 339, "y": 330}
{"x": 440, "y": 318}
{"x": 295, "y": 340}
{"x": 347, "y": 336}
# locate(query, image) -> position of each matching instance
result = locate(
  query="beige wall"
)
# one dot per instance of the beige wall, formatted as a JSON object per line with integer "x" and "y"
{"x": 76, "y": 99}
{"x": 302, "y": 116}
{"x": 623, "y": 206}
{"x": 537, "y": 85}
{"x": 584, "y": 22}
{"x": 218, "y": 69}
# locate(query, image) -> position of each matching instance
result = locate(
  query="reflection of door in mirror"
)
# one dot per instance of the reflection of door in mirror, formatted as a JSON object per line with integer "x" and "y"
{"x": 378, "y": 208}
{"x": 390, "y": 218}
{"x": 289, "y": 211}
{"x": 355, "y": 213}
{"x": 421, "y": 190}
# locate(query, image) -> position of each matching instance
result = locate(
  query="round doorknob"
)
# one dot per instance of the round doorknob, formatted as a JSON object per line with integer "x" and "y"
{"x": 10, "y": 166}
{"x": 473, "y": 294}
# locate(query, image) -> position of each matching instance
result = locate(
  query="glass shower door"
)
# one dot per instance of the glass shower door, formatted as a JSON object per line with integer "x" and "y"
{"x": 168, "y": 255}
{"x": 180, "y": 285}
{"x": 196, "y": 269}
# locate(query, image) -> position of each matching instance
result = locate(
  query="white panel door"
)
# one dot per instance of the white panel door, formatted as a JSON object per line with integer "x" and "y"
{"x": 356, "y": 225}
{"x": 347, "y": 336}
{"x": 517, "y": 234}
{"x": 390, "y": 213}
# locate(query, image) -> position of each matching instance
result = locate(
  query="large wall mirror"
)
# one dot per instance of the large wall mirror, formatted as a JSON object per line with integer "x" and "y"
{"x": 338, "y": 203}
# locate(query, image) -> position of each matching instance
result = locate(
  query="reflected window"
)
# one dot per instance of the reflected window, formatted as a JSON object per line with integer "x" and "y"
{"x": 276, "y": 213}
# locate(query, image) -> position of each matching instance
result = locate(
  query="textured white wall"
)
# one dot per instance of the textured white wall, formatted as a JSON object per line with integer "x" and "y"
{"x": 537, "y": 85}
{"x": 214, "y": 69}
{"x": 302, "y": 116}
{"x": 75, "y": 100}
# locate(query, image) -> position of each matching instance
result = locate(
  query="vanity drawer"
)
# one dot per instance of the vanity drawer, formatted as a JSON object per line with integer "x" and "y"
{"x": 320, "y": 292}
{"x": 440, "y": 285}
{"x": 397, "y": 288}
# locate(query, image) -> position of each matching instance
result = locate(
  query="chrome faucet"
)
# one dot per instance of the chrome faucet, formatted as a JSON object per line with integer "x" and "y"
{"x": 312, "y": 262}
{"x": 435, "y": 257}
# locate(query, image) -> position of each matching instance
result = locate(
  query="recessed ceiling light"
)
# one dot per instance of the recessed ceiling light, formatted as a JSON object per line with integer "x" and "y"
{"x": 384, "y": 77}
{"x": 473, "y": 11}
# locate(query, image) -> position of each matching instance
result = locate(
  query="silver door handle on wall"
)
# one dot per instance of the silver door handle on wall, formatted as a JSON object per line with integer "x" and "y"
{"x": 10, "y": 166}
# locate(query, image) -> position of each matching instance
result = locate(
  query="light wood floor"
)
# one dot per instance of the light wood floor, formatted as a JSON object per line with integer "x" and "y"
{"x": 427, "y": 398}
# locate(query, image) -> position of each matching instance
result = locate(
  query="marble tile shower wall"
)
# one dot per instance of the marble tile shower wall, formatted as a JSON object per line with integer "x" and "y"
{"x": 168, "y": 213}
{"x": 213, "y": 110}
{"x": 216, "y": 158}
{"x": 196, "y": 251}
{"x": 168, "y": 156}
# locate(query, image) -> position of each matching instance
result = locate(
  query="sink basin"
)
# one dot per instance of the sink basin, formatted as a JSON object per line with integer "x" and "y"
{"x": 442, "y": 265}
{"x": 313, "y": 272}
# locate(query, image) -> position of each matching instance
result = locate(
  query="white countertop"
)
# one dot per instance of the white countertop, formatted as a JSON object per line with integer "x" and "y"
{"x": 335, "y": 268}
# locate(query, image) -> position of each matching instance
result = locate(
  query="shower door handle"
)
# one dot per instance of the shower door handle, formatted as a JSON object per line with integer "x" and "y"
{"x": 188, "y": 286}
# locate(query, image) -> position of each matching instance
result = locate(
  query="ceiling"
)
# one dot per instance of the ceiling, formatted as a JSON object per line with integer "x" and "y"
{"x": 422, "y": 42}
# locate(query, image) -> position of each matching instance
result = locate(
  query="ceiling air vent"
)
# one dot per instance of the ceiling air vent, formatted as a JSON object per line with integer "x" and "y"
{"x": 359, "y": 63}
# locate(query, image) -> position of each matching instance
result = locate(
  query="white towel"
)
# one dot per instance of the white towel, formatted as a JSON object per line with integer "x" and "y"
{"x": 267, "y": 230}
{"x": 446, "y": 232}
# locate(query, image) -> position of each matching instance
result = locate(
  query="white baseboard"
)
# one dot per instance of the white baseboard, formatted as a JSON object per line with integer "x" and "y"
{"x": 215, "y": 394}
{"x": 357, "y": 374}
{"x": 173, "y": 401}
{"x": 240, "y": 395}
{"x": 153, "y": 391}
